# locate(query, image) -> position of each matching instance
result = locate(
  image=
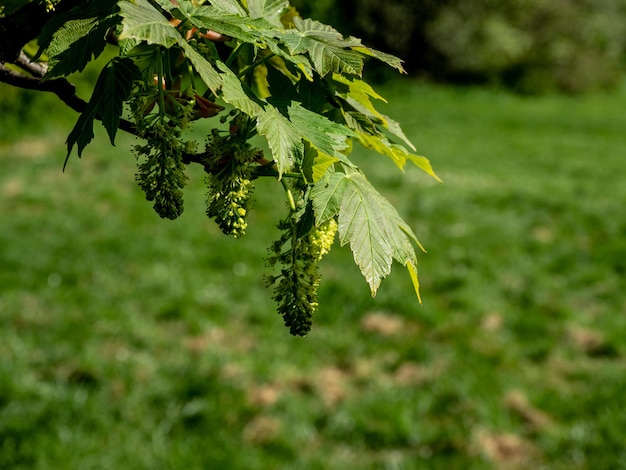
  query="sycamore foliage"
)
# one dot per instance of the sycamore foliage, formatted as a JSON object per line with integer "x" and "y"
{"x": 266, "y": 71}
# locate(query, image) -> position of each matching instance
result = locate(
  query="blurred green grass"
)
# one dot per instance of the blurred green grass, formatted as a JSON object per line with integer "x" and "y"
{"x": 131, "y": 342}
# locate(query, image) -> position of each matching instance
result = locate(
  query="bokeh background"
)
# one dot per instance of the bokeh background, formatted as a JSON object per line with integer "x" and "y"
{"x": 127, "y": 341}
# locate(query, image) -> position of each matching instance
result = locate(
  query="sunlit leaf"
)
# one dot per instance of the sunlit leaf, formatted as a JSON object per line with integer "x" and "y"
{"x": 271, "y": 10}
{"x": 414, "y": 279}
{"x": 328, "y": 136}
{"x": 144, "y": 22}
{"x": 234, "y": 93}
{"x": 326, "y": 196}
{"x": 364, "y": 227}
{"x": 282, "y": 137}
{"x": 229, "y": 6}
{"x": 315, "y": 163}
{"x": 374, "y": 229}
{"x": 205, "y": 69}
{"x": 396, "y": 152}
{"x": 388, "y": 59}
{"x": 328, "y": 50}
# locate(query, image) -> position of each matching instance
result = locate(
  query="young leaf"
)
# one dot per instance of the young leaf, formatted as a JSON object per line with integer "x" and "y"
{"x": 357, "y": 94}
{"x": 376, "y": 232}
{"x": 365, "y": 227}
{"x": 315, "y": 163}
{"x": 359, "y": 89}
{"x": 170, "y": 6}
{"x": 396, "y": 152}
{"x": 395, "y": 129}
{"x": 240, "y": 27}
{"x": 282, "y": 137}
{"x": 116, "y": 81}
{"x": 414, "y": 279}
{"x": 205, "y": 69}
{"x": 388, "y": 59}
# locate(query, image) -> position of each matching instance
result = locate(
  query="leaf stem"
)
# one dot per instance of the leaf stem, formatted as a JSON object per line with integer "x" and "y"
{"x": 251, "y": 67}
{"x": 233, "y": 54}
{"x": 160, "y": 90}
{"x": 292, "y": 203}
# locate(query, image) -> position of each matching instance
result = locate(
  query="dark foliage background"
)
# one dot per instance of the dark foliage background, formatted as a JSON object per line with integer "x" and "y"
{"x": 528, "y": 45}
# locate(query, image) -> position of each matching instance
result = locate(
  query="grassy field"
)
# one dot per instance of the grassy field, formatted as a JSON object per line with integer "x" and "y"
{"x": 128, "y": 342}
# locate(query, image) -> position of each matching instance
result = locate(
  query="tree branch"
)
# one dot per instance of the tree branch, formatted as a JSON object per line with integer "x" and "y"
{"x": 59, "y": 86}
{"x": 36, "y": 69}
{"x": 66, "y": 92}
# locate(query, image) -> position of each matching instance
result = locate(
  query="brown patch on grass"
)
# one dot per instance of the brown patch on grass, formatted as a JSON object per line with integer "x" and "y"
{"x": 383, "y": 324}
{"x": 587, "y": 341}
{"x": 535, "y": 419}
{"x": 32, "y": 148}
{"x": 12, "y": 188}
{"x": 492, "y": 322}
{"x": 332, "y": 384}
{"x": 233, "y": 371}
{"x": 507, "y": 451}
{"x": 117, "y": 390}
{"x": 219, "y": 338}
{"x": 413, "y": 374}
{"x": 202, "y": 342}
{"x": 265, "y": 395}
{"x": 262, "y": 430}
{"x": 543, "y": 235}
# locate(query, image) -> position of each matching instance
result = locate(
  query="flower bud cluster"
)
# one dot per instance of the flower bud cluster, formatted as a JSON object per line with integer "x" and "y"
{"x": 161, "y": 171}
{"x": 161, "y": 175}
{"x": 229, "y": 183}
{"x": 295, "y": 288}
{"x": 322, "y": 238}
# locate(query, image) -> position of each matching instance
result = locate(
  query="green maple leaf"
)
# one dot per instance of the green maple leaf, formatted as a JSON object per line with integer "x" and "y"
{"x": 283, "y": 138}
{"x": 110, "y": 92}
{"x": 396, "y": 152}
{"x": 229, "y": 6}
{"x": 388, "y": 59}
{"x": 144, "y": 22}
{"x": 326, "y": 135}
{"x": 369, "y": 223}
{"x": 315, "y": 164}
{"x": 326, "y": 196}
{"x": 328, "y": 50}
{"x": 364, "y": 227}
{"x": 357, "y": 94}
{"x": 240, "y": 27}
{"x": 73, "y": 39}
{"x": 271, "y": 10}
{"x": 234, "y": 93}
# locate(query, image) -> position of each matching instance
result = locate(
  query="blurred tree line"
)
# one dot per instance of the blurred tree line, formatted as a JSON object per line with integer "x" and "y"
{"x": 531, "y": 46}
